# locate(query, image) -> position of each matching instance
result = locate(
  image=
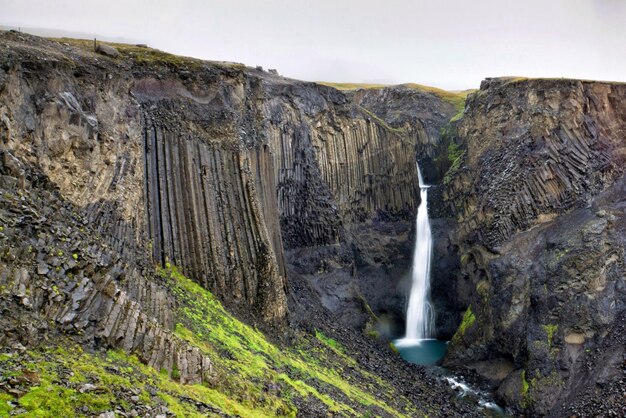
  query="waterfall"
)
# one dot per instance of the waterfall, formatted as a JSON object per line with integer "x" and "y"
{"x": 420, "y": 322}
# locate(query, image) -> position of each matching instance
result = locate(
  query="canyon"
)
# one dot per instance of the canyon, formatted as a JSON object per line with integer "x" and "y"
{"x": 208, "y": 225}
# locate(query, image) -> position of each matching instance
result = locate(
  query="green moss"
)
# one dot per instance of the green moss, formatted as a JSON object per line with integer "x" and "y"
{"x": 458, "y": 115}
{"x": 245, "y": 362}
{"x": 113, "y": 373}
{"x": 48, "y": 400}
{"x": 328, "y": 341}
{"x": 175, "y": 373}
{"x": 550, "y": 330}
{"x": 468, "y": 321}
{"x": 454, "y": 152}
{"x": 454, "y": 168}
{"x": 5, "y": 408}
{"x": 373, "y": 334}
{"x": 525, "y": 384}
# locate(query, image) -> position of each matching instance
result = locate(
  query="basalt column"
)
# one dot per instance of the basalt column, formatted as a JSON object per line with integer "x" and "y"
{"x": 204, "y": 215}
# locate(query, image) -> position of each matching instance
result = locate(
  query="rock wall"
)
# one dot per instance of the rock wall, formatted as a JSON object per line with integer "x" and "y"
{"x": 203, "y": 208}
{"x": 539, "y": 198}
{"x": 153, "y": 162}
{"x": 347, "y": 189}
{"x": 218, "y": 169}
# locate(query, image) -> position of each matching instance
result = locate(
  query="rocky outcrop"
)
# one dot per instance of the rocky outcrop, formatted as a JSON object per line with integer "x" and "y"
{"x": 56, "y": 279}
{"x": 217, "y": 168}
{"x": 538, "y": 197}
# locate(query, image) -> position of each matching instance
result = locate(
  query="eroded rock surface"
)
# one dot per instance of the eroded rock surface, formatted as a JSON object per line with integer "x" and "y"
{"x": 540, "y": 199}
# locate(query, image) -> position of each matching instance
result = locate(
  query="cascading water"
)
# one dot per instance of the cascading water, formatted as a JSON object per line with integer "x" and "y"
{"x": 420, "y": 316}
{"x": 418, "y": 344}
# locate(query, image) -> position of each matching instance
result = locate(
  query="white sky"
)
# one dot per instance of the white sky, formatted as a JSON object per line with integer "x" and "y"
{"x": 446, "y": 43}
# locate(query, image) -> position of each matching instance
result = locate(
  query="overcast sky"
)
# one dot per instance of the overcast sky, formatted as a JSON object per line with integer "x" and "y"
{"x": 451, "y": 44}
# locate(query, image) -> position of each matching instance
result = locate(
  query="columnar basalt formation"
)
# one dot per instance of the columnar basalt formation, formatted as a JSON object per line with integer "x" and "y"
{"x": 214, "y": 168}
{"x": 347, "y": 188}
{"x": 275, "y": 194}
{"x": 539, "y": 197}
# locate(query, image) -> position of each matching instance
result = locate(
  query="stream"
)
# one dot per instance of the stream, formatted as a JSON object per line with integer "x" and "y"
{"x": 428, "y": 353}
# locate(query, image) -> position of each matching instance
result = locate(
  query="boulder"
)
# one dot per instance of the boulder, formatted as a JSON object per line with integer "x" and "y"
{"x": 107, "y": 50}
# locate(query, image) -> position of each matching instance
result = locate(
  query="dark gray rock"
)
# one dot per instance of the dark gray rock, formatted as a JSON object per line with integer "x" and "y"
{"x": 107, "y": 50}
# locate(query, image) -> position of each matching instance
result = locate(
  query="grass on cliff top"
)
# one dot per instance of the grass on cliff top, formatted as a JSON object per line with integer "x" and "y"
{"x": 246, "y": 363}
{"x": 457, "y": 98}
{"x": 146, "y": 55}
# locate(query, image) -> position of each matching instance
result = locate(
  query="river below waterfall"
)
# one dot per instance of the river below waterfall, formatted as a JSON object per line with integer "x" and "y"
{"x": 428, "y": 353}
{"x": 417, "y": 346}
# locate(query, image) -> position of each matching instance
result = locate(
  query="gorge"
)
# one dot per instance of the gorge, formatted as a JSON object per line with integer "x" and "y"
{"x": 189, "y": 238}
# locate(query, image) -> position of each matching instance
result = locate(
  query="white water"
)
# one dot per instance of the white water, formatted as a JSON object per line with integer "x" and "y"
{"x": 420, "y": 322}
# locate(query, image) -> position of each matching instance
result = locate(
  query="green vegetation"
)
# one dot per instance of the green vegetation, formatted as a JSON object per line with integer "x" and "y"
{"x": 250, "y": 376}
{"x": 457, "y": 98}
{"x": 534, "y": 388}
{"x": 454, "y": 152}
{"x": 453, "y": 158}
{"x": 525, "y": 384}
{"x": 148, "y": 56}
{"x": 352, "y": 86}
{"x": 328, "y": 341}
{"x": 468, "y": 321}
{"x": 373, "y": 334}
{"x": 245, "y": 362}
{"x": 550, "y": 330}
{"x": 456, "y": 165}
{"x": 58, "y": 376}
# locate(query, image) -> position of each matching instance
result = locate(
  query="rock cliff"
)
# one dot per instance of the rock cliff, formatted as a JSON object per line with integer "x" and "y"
{"x": 123, "y": 174}
{"x": 293, "y": 203}
{"x": 539, "y": 200}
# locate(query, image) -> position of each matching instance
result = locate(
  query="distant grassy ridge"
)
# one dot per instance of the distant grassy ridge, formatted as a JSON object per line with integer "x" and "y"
{"x": 146, "y": 55}
{"x": 457, "y": 98}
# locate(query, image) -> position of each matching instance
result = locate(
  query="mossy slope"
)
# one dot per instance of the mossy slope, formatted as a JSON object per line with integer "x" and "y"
{"x": 251, "y": 376}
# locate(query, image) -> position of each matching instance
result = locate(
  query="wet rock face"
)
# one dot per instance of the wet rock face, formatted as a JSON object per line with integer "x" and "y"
{"x": 541, "y": 226}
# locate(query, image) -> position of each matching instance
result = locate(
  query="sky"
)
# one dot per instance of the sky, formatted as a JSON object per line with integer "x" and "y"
{"x": 452, "y": 44}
